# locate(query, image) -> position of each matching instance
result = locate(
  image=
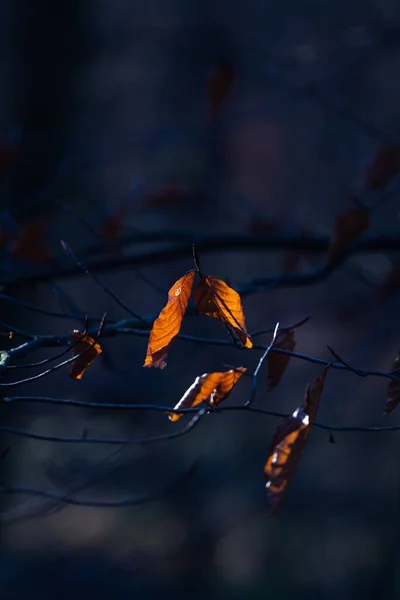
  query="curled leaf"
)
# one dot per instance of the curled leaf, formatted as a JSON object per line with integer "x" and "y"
{"x": 289, "y": 442}
{"x": 313, "y": 394}
{"x": 348, "y": 225}
{"x": 210, "y": 387}
{"x": 277, "y": 362}
{"x": 214, "y": 298}
{"x": 87, "y": 349}
{"x": 166, "y": 327}
{"x": 283, "y": 456}
{"x": 393, "y": 393}
{"x": 384, "y": 167}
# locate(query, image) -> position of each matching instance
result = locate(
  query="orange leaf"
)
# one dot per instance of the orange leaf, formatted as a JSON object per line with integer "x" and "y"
{"x": 30, "y": 245}
{"x": 284, "y": 454}
{"x": 393, "y": 389}
{"x": 348, "y": 225}
{"x": 166, "y": 327}
{"x": 384, "y": 167}
{"x": 288, "y": 444}
{"x": 213, "y": 387}
{"x": 219, "y": 86}
{"x": 214, "y": 298}
{"x": 85, "y": 346}
{"x": 278, "y": 362}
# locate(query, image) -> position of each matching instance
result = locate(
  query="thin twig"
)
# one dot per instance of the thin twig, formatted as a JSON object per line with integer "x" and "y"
{"x": 260, "y": 363}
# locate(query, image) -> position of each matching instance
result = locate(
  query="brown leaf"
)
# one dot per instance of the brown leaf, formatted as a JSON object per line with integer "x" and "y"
{"x": 219, "y": 86}
{"x": 278, "y": 362}
{"x": 166, "y": 327}
{"x": 288, "y": 444}
{"x": 390, "y": 284}
{"x": 85, "y": 346}
{"x": 212, "y": 387}
{"x": 283, "y": 456}
{"x": 384, "y": 167}
{"x": 214, "y": 298}
{"x": 348, "y": 225}
{"x": 393, "y": 389}
{"x": 313, "y": 395}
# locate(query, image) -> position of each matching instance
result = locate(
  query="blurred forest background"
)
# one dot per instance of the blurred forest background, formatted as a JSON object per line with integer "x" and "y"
{"x": 105, "y": 107}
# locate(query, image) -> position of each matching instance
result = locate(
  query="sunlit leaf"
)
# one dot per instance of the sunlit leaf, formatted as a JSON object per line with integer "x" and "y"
{"x": 166, "y": 327}
{"x": 219, "y": 86}
{"x": 393, "y": 393}
{"x": 210, "y": 387}
{"x": 348, "y": 226}
{"x": 384, "y": 168}
{"x": 289, "y": 442}
{"x": 87, "y": 349}
{"x": 283, "y": 456}
{"x": 278, "y": 362}
{"x": 214, "y": 298}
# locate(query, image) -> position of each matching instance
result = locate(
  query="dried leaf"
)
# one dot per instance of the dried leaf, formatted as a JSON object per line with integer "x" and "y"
{"x": 384, "y": 167}
{"x": 214, "y": 298}
{"x": 313, "y": 395}
{"x": 219, "y": 86}
{"x": 393, "y": 393}
{"x": 85, "y": 346}
{"x": 348, "y": 225}
{"x": 288, "y": 444}
{"x": 390, "y": 284}
{"x": 278, "y": 362}
{"x": 283, "y": 456}
{"x": 166, "y": 327}
{"x": 30, "y": 244}
{"x": 210, "y": 387}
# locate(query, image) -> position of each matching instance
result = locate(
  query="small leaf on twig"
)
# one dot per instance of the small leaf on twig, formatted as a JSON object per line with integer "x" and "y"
{"x": 210, "y": 387}
{"x": 393, "y": 393}
{"x": 288, "y": 444}
{"x": 166, "y": 327}
{"x": 313, "y": 394}
{"x": 384, "y": 168}
{"x": 348, "y": 225}
{"x": 87, "y": 349}
{"x": 214, "y": 298}
{"x": 276, "y": 361}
